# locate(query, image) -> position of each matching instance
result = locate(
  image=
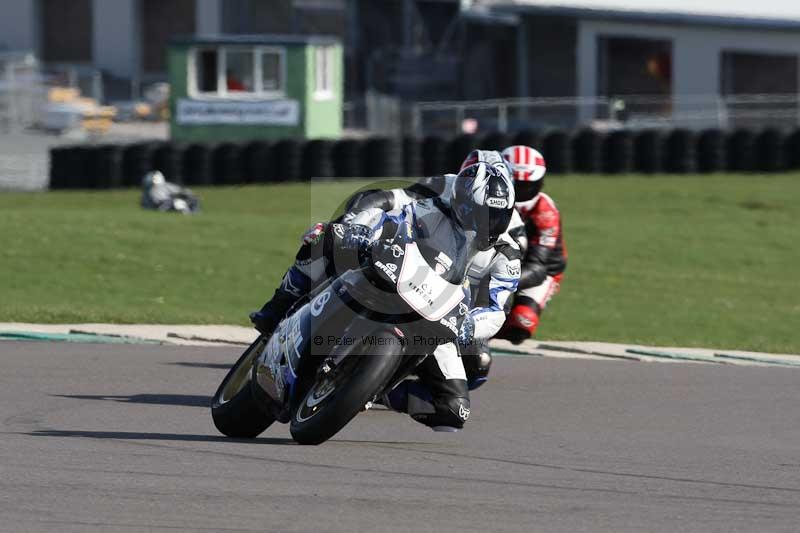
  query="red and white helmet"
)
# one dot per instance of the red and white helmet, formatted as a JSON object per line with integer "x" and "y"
{"x": 528, "y": 170}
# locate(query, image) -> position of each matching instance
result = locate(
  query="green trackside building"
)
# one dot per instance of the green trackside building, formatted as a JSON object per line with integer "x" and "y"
{"x": 253, "y": 87}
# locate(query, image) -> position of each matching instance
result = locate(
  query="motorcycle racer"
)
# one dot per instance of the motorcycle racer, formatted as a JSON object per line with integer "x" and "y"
{"x": 545, "y": 254}
{"x": 481, "y": 203}
{"x": 492, "y": 276}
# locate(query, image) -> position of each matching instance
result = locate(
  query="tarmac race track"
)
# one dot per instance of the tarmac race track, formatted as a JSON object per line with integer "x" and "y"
{"x": 120, "y": 438}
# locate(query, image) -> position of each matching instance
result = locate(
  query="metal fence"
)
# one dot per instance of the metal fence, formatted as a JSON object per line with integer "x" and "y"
{"x": 388, "y": 116}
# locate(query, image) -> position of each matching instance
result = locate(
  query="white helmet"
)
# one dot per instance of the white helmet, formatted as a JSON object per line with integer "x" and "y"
{"x": 491, "y": 157}
{"x": 483, "y": 202}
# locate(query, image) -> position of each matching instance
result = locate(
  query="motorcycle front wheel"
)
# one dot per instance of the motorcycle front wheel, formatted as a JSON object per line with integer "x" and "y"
{"x": 234, "y": 410}
{"x": 335, "y": 398}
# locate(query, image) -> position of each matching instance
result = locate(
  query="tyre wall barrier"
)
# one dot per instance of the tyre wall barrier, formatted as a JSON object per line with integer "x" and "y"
{"x": 107, "y": 167}
{"x": 677, "y": 151}
{"x": 648, "y": 153}
{"x": 680, "y": 155}
{"x": 497, "y": 140}
{"x": 711, "y": 151}
{"x": 531, "y": 138}
{"x": 457, "y": 150}
{"x": 197, "y": 165}
{"x": 557, "y": 152}
{"x": 59, "y": 177}
{"x": 434, "y": 156}
{"x": 317, "y": 160}
{"x": 228, "y": 164}
{"x": 168, "y": 158}
{"x": 137, "y": 160}
{"x": 347, "y": 158}
{"x": 383, "y": 157}
{"x": 770, "y": 151}
{"x": 412, "y": 157}
{"x": 618, "y": 153}
{"x": 257, "y": 162}
{"x": 741, "y": 154}
{"x": 78, "y": 168}
{"x": 287, "y": 160}
{"x": 792, "y": 150}
{"x": 587, "y": 152}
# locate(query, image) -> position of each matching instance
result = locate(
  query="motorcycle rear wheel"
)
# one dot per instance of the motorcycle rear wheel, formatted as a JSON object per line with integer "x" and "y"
{"x": 333, "y": 400}
{"x": 235, "y": 412}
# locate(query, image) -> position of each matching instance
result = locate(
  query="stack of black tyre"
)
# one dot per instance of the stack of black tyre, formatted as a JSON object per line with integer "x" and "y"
{"x": 587, "y": 151}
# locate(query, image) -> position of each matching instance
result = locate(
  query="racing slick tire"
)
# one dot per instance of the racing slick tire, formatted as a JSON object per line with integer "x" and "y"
{"x": 333, "y": 399}
{"x": 235, "y": 412}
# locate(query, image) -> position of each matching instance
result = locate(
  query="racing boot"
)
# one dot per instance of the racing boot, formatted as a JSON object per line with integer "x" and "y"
{"x": 477, "y": 359}
{"x": 295, "y": 285}
{"x": 440, "y": 414}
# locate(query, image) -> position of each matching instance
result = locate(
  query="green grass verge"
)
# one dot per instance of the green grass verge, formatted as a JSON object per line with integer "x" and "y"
{"x": 688, "y": 261}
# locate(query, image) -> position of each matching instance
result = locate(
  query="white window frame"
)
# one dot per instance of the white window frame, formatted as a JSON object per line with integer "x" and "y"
{"x": 326, "y": 70}
{"x": 222, "y": 92}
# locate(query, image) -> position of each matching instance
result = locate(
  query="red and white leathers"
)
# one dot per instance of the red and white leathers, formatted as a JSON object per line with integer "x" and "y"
{"x": 545, "y": 255}
{"x": 543, "y": 263}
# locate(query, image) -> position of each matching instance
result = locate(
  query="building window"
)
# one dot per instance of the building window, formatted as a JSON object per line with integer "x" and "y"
{"x": 271, "y": 71}
{"x": 237, "y": 72}
{"x": 205, "y": 71}
{"x": 323, "y": 72}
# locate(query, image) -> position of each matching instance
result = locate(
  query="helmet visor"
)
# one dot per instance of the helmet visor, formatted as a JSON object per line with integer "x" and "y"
{"x": 526, "y": 190}
{"x": 487, "y": 223}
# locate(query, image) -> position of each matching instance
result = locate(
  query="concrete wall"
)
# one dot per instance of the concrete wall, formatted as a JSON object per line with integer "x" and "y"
{"x": 696, "y": 53}
{"x": 19, "y": 25}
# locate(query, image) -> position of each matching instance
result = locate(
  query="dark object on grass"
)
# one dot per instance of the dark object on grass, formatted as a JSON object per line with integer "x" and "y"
{"x": 160, "y": 195}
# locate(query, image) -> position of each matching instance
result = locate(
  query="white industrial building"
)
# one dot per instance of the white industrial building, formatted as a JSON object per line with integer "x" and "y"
{"x": 686, "y": 51}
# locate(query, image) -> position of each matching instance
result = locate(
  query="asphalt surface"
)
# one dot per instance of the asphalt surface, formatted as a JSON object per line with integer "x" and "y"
{"x": 120, "y": 438}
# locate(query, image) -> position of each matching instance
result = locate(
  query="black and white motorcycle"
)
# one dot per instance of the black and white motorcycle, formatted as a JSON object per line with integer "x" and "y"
{"x": 355, "y": 338}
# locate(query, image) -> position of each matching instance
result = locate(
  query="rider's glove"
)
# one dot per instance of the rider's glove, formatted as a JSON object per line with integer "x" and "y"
{"x": 466, "y": 332}
{"x": 356, "y": 237}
